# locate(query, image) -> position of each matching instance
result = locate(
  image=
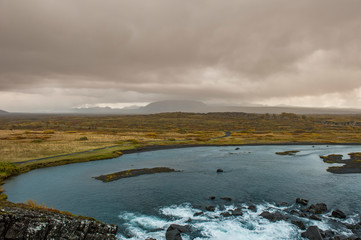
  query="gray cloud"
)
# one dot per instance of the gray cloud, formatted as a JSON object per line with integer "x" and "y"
{"x": 255, "y": 51}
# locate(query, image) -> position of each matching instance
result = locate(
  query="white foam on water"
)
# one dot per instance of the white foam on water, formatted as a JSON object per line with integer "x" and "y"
{"x": 212, "y": 225}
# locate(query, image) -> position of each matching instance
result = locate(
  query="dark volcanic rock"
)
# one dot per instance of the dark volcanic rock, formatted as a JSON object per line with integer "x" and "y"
{"x": 174, "y": 231}
{"x": 219, "y": 170}
{"x": 312, "y": 233}
{"x": 210, "y": 208}
{"x": 314, "y": 217}
{"x": 197, "y": 214}
{"x": 36, "y": 224}
{"x": 316, "y": 208}
{"x": 226, "y": 214}
{"x": 302, "y": 201}
{"x": 338, "y": 214}
{"x": 212, "y": 197}
{"x": 299, "y": 224}
{"x": 237, "y": 212}
{"x": 253, "y": 208}
{"x": 226, "y": 199}
{"x": 273, "y": 217}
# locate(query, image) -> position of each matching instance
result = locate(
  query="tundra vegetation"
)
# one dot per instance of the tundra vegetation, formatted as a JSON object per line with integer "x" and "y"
{"x": 92, "y": 137}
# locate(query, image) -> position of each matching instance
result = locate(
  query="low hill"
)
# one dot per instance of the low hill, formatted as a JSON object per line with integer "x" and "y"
{"x": 3, "y": 112}
{"x": 174, "y": 106}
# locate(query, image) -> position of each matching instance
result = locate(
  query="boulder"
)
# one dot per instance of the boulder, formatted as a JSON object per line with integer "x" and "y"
{"x": 197, "y": 214}
{"x": 228, "y": 199}
{"x": 318, "y": 208}
{"x": 314, "y": 217}
{"x": 226, "y": 214}
{"x": 174, "y": 231}
{"x": 299, "y": 224}
{"x": 212, "y": 197}
{"x": 302, "y": 201}
{"x": 237, "y": 212}
{"x": 312, "y": 233}
{"x": 252, "y": 207}
{"x": 338, "y": 214}
{"x": 273, "y": 217}
{"x": 219, "y": 170}
{"x": 210, "y": 208}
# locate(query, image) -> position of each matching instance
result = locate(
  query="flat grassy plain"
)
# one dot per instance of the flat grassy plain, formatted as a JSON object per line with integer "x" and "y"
{"x": 35, "y": 141}
{"x": 25, "y": 137}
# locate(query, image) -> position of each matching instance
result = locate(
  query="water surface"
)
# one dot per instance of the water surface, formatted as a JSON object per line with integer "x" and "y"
{"x": 143, "y": 204}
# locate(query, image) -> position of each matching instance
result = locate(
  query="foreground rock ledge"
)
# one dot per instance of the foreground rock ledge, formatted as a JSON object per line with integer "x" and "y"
{"x": 133, "y": 173}
{"x": 36, "y": 224}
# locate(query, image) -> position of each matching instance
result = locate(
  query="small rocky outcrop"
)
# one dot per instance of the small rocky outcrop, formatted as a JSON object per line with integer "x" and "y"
{"x": 35, "y": 224}
{"x": 252, "y": 207}
{"x": 312, "y": 233}
{"x": 317, "y": 208}
{"x": 228, "y": 199}
{"x": 237, "y": 212}
{"x": 210, "y": 208}
{"x": 273, "y": 217}
{"x": 299, "y": 224}
{"x": 338, "y": 214}
{"x": 302, "y": 201}
{"x": 174, "y": 231}
{"x": 219, "y": 170}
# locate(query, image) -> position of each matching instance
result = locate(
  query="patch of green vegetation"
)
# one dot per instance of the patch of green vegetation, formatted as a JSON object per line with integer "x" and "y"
{"x": 290, "y": 153}
{"x": 83, "y": 138}
{"x": 133, "y": 173}
{"x": 8, "y": 169}
{"x": 101, "y": 154}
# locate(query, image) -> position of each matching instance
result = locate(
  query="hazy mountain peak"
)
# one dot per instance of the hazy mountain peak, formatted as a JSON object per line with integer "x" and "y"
{"x": 175, "y": 106}
{"x": 3, "y": 112}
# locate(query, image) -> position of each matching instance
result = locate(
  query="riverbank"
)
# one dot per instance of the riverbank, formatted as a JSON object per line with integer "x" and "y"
{"x": 21, "y": 221}
{"x": 13, "y": 169}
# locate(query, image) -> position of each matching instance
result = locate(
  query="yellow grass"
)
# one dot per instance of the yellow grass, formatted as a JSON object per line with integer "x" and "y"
{"x": 20, "y": 145}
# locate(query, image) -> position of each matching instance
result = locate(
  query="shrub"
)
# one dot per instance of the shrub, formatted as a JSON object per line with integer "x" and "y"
{"x": 133, "y": 141}
{"x": 83, "y": 138}
{"x": 48, "y": 132}
{"x": 8, "y": 169}
{"x": 34, "y": 204}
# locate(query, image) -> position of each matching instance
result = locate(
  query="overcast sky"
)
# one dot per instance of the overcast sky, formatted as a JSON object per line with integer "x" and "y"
{"x": 59, "y": 54}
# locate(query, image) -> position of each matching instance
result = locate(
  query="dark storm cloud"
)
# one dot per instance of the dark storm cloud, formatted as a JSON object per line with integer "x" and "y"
{"x": 230, "y": 51}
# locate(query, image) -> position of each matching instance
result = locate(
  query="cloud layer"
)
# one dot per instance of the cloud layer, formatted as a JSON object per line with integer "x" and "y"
{"x": 60, "y": 54}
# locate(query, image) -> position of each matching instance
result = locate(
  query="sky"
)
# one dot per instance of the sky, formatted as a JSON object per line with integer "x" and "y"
{"x": 59, "y": 54}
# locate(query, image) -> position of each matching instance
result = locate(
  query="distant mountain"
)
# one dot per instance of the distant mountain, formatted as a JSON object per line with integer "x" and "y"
{"x": 200, "y": 107}
{"x": 95, "y": 110}
{"x": 174, "y": 106}
{"x": 3, "y": 112}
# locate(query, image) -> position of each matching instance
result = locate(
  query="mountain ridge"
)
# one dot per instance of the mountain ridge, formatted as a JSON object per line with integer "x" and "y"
{"x": 200, "y": 107}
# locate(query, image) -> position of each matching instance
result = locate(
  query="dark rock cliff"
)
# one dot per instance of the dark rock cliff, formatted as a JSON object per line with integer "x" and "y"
{"x": 25, "y": 223}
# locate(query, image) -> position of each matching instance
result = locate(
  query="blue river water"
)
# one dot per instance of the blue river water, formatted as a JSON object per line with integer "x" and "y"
{"x": 144, "y": 206}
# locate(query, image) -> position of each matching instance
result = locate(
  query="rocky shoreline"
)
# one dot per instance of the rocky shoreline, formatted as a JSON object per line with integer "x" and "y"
{"x": 18, "y": 221}
{"x": 300, "y": 214}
